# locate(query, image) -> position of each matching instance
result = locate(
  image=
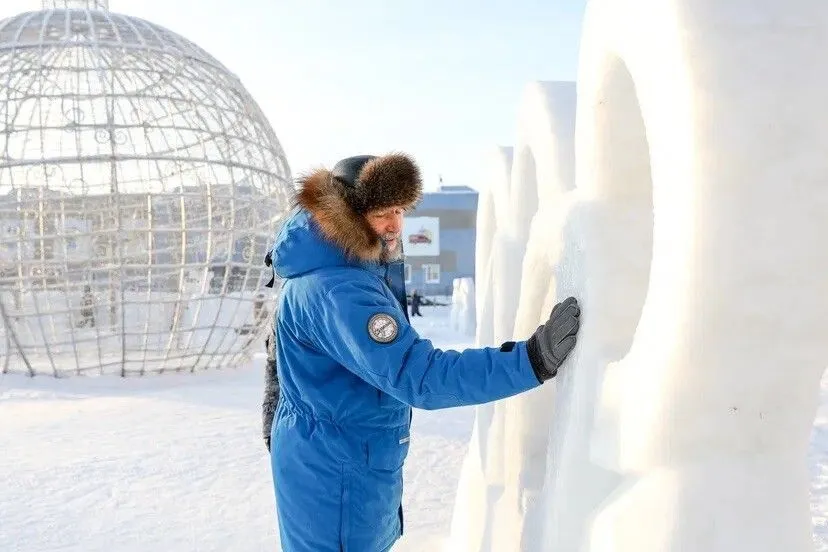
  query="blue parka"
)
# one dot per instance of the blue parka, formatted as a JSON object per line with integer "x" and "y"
{"x": 350, "y": 368}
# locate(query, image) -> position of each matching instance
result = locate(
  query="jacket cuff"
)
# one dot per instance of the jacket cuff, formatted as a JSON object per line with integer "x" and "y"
{"x": 536, "y": 360}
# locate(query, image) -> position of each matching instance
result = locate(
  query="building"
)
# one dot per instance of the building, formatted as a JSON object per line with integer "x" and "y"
{"x": 439, "y": 240}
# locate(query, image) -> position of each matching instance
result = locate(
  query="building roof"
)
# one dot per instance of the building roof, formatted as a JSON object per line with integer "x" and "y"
{"x": 461, "y": 198}
{"x": 455, "y": 189}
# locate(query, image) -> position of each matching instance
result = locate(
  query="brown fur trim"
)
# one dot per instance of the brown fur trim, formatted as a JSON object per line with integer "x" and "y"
{"x": 323, "y": 198}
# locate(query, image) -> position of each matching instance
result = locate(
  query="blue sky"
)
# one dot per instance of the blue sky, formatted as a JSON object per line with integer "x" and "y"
{"x": 440, "y": 79}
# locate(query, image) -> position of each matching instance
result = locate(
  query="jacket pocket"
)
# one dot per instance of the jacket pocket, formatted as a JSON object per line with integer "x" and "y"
{"x": 374, "y": 491}
{"x": 388, "y": 450}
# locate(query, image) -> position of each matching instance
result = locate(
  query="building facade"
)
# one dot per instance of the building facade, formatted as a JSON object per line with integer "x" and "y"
{"x": 439, "y": 240}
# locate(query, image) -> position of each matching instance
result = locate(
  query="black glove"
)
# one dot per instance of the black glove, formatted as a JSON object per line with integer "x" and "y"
{"x": 551, "y": 343}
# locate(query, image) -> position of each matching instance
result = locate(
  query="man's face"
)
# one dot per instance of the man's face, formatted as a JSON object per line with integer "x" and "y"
{"x": 387, "y": 223}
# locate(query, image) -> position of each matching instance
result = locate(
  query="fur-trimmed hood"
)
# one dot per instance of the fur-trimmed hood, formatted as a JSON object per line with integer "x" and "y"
{"x": 301, "y": 248}
{"x": 338, "y": 199}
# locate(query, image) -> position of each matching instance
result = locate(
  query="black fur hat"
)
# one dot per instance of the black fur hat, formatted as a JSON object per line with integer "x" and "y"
{"x": 369, "y": 182}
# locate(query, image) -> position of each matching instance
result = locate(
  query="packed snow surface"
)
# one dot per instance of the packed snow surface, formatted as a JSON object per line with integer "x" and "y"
{"x": 177, "y": 463}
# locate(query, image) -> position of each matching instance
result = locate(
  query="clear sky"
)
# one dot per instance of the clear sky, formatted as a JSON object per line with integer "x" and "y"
{"x": 440, "y": 79}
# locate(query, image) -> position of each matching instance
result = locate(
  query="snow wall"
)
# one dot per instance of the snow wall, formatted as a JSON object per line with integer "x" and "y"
{"x": 693, "y": 238}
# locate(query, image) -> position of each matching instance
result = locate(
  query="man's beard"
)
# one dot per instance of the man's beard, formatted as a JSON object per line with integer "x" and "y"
{"x": 391, "y": 254}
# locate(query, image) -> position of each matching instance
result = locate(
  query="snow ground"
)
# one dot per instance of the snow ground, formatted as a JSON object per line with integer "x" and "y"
{"x": 177, "y": 463}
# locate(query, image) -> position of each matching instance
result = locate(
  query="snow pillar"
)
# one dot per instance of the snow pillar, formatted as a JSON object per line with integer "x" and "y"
{"x": 481, "y": 476}
{"x": 515, "y": 431}
{"x": 683, "y": 419}
{"x": 542, "y": 184}
{"x": 462, "y": 306}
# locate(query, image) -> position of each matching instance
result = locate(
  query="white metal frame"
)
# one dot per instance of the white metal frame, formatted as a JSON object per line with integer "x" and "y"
{"x": 132, "y": 162}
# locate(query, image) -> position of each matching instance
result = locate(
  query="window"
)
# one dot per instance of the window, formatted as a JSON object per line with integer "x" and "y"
{"x": 407, "y": 274}
{"x": 431, "y": 273}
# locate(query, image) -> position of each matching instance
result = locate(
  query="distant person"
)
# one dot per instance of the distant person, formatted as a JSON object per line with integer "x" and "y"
{"x": 259, "y": 312}
{"x": 415, "y": 303}
{"x": 351, "y": 366}
{"x": 87, "y": 310}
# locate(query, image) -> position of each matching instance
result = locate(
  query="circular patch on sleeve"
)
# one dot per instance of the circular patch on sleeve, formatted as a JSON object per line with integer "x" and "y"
{"x": 383, "y": 328}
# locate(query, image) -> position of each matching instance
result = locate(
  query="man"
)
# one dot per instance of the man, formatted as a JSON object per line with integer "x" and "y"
{"x": 259, "y": 312}
{"x": 415, "y": 303}
{"x": 351, "y": 367}
{"x": 87, "y": 310}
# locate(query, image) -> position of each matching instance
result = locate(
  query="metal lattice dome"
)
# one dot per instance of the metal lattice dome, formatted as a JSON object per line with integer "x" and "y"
{"x": 140, "y": 185}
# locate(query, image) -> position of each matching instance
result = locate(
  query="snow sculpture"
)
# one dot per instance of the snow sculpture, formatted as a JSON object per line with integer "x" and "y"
{"x": 462, "y": 306}
{"x": 707, "y": 413}
{"x": 140, "y": 186}
{"x": 481, "y": 479}
{"x": 694, "y": 241}
{"x": 507, "y": 456}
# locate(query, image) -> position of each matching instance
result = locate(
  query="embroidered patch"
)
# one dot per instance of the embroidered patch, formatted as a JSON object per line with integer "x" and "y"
{"x": 383, "y": 328}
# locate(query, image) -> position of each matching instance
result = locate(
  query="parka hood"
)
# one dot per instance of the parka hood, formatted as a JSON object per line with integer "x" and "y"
{"x": 300, "y": 248}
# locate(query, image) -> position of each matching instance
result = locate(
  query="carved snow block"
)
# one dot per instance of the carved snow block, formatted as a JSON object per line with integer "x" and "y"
{"x": 697, "y": 245}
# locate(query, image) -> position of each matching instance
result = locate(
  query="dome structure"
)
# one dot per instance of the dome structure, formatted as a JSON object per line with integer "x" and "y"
{"x": 140, "y": 185}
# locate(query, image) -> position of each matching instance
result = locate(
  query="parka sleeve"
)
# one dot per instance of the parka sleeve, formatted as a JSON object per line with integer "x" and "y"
{"x": 360, "y": 327}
